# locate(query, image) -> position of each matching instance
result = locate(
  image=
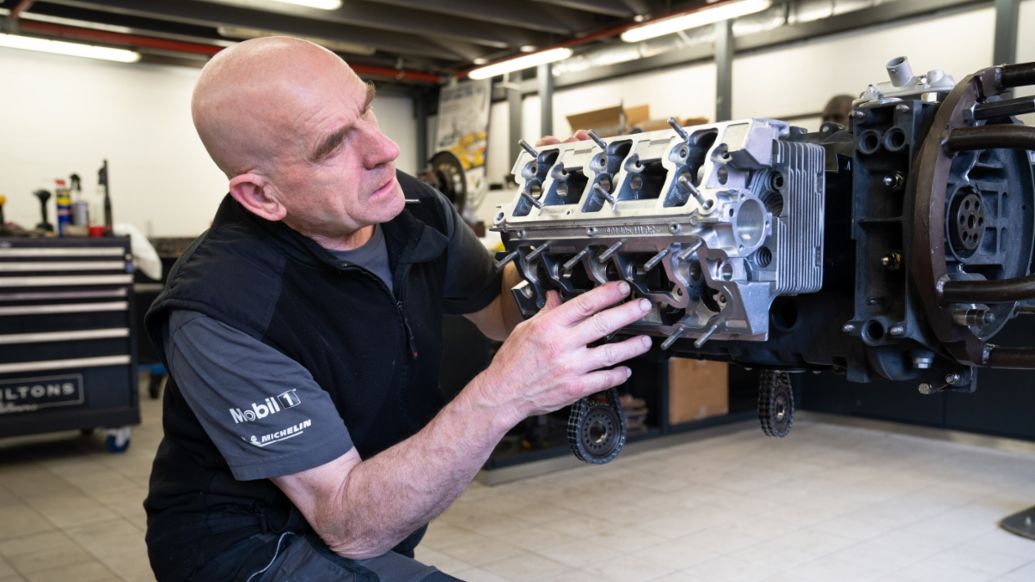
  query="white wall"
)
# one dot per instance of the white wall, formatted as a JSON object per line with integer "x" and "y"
{"x": 800, "y": 78}
{"x": 67, "y": 114}
{"x": 784, "y": 81}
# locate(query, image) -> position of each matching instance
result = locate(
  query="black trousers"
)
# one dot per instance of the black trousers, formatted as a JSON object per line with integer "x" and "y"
{"x": 240, "y": 546}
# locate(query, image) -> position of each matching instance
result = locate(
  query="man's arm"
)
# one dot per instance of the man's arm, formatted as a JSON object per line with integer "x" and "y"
{"x": 500, "y": 317}
{"x": 363, "y": 508}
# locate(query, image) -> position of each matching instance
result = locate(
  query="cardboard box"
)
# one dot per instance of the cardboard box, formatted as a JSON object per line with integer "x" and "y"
{"x": 619, "y": 120}
{"x": 610, "y": 121}
{"x": 697, "y": 389}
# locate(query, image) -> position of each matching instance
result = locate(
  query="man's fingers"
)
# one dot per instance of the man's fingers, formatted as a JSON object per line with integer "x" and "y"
{"x": 609, "y": 354}
{"x": 591, "y": 302}
{"x": 608, "y": 321}
{"x": 547, "y": 140}
{"x": 603, "y": 379}
{"x": 579, "y": 135}
{"x": 553, "y": 300}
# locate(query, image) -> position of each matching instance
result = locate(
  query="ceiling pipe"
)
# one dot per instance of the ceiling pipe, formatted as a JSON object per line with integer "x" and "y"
{"x": 122, "y": 39}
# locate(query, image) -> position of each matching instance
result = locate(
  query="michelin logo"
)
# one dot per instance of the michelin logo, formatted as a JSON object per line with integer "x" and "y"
{"x": 271, "y": 405}
{"x": 281, "y": 435}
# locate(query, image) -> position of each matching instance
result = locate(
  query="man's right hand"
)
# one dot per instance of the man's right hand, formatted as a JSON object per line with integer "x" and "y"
{"x": 547, "y": 362}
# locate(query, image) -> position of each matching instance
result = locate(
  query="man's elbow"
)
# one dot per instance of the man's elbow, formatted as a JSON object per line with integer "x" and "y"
{"x": 357, "y": 545}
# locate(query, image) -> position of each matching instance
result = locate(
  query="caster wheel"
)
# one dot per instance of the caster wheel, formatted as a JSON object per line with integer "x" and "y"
{"x": 775, "y": 403}
{"x": 117, "y": 440}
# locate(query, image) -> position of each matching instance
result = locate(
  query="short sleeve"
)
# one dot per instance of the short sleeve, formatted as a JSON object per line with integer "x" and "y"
{"x": 264, "y": 411}
{"x": 471, "y": 278}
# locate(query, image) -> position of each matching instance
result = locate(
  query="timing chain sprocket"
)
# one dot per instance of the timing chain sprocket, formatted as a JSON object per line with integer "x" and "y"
{"x": 775, "y": 403}
{"x": 596, "y": 428}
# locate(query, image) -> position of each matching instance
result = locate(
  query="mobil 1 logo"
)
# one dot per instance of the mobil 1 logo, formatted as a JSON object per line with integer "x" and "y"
{"x": 272, "y": 405}
{"x": 29, "y": 394}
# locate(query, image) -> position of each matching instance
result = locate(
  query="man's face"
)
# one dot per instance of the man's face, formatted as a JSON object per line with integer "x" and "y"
{"x": 336, "y": 174}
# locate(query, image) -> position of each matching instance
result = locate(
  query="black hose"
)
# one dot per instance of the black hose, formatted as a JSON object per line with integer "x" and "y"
{"x": 991, "y": 136}
{"x": 1010, "y": 357}
{"x": 996, "y": 291}
{"x": 1017, "y": 75}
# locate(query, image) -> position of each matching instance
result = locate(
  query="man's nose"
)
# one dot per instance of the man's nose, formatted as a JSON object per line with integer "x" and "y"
{"x": 381, "y": 149}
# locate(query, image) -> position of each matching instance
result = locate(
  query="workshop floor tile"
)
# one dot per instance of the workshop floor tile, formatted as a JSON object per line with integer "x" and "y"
{"x": 828, "y": 503}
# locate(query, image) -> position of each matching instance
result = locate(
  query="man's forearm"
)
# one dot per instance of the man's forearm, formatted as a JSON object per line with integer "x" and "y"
{"x": 509, "y": 311}
{"x": 395, "y": 492}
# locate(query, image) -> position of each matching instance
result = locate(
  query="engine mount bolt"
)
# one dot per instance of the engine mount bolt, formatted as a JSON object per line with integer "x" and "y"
{"x": 925, "y": 388}
{"x": 892, "y": 261}
{"x": 893, "y": 181}
{"x": 902, "y": 108}
{"x": 897, "y": 330}
{"x": 952, "y": 378}
{"x": 848, "y": 328}
{"x": 859, "y": 114}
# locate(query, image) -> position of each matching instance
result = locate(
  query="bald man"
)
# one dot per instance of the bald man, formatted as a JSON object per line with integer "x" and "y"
{"x": 305, "y": 437}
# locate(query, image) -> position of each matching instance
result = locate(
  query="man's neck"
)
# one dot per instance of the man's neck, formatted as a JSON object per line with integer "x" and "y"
{"x": 349, "y": 242}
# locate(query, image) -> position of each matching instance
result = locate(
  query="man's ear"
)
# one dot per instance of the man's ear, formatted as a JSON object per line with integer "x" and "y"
{"x": 256, "y": 194}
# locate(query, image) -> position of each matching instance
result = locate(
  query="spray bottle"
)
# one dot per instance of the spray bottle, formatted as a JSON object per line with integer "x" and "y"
{"x": 63, "y": 200}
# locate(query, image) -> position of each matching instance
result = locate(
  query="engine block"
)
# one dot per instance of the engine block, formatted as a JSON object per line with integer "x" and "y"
{"x": 895, "y": 248}
{"x": 711, "y": 223}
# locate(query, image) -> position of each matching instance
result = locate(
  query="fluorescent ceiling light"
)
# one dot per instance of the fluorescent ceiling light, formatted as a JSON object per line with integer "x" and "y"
{"x": 68, "y": 48}
{"x": 709, "y": 15}
{"x": 519, "y": 63}
{"x": 321, "y": 4}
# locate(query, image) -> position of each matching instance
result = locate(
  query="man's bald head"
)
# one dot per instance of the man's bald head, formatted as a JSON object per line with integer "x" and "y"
{"x": 250, "y": 95}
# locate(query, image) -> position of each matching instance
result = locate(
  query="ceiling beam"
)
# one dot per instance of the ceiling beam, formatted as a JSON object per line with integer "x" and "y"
{"x": 382, "y": 17}
{"x": 202, "y": 14}
{"x": 607, "y": 7}
{"x": 550, "y": 19}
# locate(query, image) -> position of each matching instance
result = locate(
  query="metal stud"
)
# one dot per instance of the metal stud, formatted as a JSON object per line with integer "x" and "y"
{"x": 685, "y": 183}
{"x": 570, "y": 263}
{"x": 690, "y": 250}
{"x": 611, "y": 250}
{"x": 597, "y": 139}
{"x": 653, "y": 261}
{"x": 506, "y": 259}
{"x": 532, "y": 199}
{"x": 605, "y": 195}
{"x": 671, "y": 339}
{"x": 699, "y": 342}
{"x": 682, "y": 132}
{"x": 539, "y": 250}
{"x": 531, "y": 150}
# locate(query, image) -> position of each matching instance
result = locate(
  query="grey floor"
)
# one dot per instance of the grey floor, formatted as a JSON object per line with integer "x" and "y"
{"x": 829, "y": 503}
